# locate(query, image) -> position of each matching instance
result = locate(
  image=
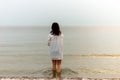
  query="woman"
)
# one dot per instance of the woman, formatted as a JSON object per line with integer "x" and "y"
{"x": 55, "y": 43}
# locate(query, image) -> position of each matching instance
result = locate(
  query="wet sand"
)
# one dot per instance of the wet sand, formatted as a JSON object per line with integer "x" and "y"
{"x": 46, "y": 78}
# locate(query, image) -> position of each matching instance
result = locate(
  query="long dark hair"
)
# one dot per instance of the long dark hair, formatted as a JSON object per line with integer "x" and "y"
{"x": 55, "y": 29}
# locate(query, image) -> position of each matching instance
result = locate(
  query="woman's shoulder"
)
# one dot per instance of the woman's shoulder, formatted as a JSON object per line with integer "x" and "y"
{"x": 62, "y": 34}
{"x": 50, "y": 35}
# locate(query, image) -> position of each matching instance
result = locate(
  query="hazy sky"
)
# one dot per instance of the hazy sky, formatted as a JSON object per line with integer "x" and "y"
{"x": 66, "y": 12}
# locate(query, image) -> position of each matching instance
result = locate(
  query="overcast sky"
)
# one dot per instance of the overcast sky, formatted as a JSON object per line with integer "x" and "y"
{"x": 66, "y": 12}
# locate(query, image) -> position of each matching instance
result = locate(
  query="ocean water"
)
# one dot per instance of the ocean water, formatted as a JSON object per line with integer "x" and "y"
{"x": 88, "y": 51}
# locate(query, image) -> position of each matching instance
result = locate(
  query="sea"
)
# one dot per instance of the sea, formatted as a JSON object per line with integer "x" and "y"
{"x": 88, "y": 52}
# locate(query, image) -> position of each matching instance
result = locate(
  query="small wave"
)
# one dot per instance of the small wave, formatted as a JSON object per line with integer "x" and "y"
{"x": 65, "y": 72}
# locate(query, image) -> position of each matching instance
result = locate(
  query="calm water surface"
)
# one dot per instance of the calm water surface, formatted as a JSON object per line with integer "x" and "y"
{"x": 24, "y": 51}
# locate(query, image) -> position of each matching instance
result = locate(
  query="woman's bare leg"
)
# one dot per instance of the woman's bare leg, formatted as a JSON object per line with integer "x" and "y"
{"x": 54, "y": 68}
{"x": 53, "y": 64}
{"x": 58, "y": 62}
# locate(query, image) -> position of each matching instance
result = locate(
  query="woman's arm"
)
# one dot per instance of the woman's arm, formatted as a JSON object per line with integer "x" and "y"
{"x": 48, "y": 43}
{"x": 49, "y": 39}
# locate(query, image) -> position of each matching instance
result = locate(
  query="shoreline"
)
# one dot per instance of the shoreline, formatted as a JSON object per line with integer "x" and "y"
{"x": 96, "y": 55}
{"x": 48, "y": 78}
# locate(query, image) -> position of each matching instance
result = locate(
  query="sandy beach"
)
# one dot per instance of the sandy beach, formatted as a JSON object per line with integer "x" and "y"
{"x": 36, "y": 78}
{"x": 43, "y": 78}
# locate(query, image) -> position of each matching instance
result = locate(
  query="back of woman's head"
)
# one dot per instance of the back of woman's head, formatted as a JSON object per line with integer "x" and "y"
{"x": 55, "y": 29}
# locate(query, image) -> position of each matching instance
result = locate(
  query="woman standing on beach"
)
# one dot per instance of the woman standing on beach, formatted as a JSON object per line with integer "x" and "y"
{"x": 55, "y": 43}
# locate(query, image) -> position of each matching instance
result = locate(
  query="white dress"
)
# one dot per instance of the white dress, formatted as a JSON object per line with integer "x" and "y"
{"x": 55, "y": 44}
